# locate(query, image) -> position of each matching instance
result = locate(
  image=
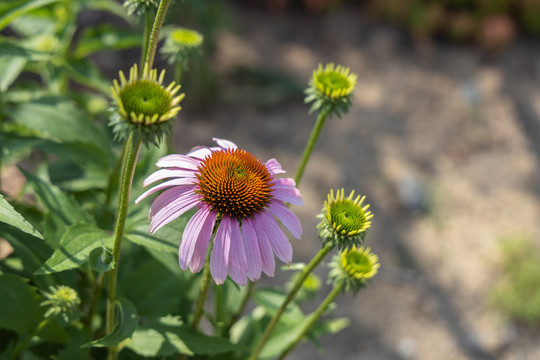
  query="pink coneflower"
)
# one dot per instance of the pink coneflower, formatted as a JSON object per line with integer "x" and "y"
{"x": 234, "y": 188}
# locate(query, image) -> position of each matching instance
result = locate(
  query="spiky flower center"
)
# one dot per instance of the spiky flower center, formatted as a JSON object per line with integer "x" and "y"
{"x": 360, "y": 263}
{"x": 145, "y": 97}
{"x": 346, "y": 217}
{"x": 186, "y": 37}
{"x": 235, "y": 183}
{"x": 332, "y": 81}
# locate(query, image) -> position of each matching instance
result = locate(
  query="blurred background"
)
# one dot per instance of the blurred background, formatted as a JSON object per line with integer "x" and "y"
{"x": 443, "y": 138}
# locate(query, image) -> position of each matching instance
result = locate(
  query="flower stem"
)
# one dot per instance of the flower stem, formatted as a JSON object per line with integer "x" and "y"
{"x": 154, "y": 35}
{"x": 131, "y": 153}
{"x": 146, "y": 36}
{"x": 36, "y": 331}
{"x": 240, "y": 310}
{"x": 297, "y": 285}
{"x": 313, "y": 318}
{"x": 321, "y": 118}
{"x": 205, "y": 285}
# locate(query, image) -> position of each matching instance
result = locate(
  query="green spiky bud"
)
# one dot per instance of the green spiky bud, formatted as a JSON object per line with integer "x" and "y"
{"x": 344, "y": 220}
{"x": 354, "y": 266}
{"x": 181, "y": 44}
{"x": 62, "y": 300}
{"x": 330, "y": 89}
{"x": 143, "y": 105}
{"x": 140, "y": 7}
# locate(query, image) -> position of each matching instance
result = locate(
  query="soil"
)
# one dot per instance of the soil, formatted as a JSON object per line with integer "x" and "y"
{"x": 444, "y": 141}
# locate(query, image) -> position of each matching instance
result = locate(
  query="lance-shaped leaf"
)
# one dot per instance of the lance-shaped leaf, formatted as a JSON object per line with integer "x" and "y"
{"x": 9, "y": 216}
{"x": 75, "y": 247}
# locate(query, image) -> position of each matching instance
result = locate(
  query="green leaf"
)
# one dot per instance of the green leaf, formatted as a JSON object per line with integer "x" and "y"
{"x": 21, "y": 311}
{"x": 168, "y": 335}
{"x": 9, "y": 216}
{"x": 127, "y": 321}
{"x": 101, "y": 260}
{"x": 110, "y": 6}
{"x": 152, "y": 242}
{"x": 75, "y": 247}
{"x": 105, "y": 37}
{"x": 12, "y": 9}
{"x": 10, "y": 68}
{"x": 58, "y": 118}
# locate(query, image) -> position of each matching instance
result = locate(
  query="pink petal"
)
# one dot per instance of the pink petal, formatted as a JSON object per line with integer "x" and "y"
{"x": 168, "y": 196}
{"x": 199, "y": 256}
{"x": 226, "y": 144}
{"x": 178, "y": 161}
{"x": 173, "y": 210}
{"x": 196, "y": 236}
{"x": 219, "y": 259}
{"x": 286, "y": 217}
{"x": 253, "y": 254}
{"x": 267, "y": 255}
{"x": 274, "y": 167}
{"x": 168, "y": 173}
{"x": 166, "y": 184}
{"x": 278, "y": 241}
{"x": 199, "y": 152}
{"x": 290, "y": 195}
{"x": 237, "y": 256}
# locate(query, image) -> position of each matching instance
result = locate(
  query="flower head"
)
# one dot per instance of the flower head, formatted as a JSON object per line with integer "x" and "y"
{"x": 143, "y": 105}
{"x": 62, "y": 300}
{"x": 344, "y": 221}
{"x": 354, "y": 266}
{"x": 330, "y": 89}
{"x": 140, "y": 7}
{"x": 234, "y": 192}
{"x": 180, "y": 44}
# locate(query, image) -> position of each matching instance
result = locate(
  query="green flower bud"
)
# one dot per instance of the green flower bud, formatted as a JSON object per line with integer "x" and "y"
{"x": 143, "y": 105}
{"x": 181, "y": 44}
{"x": 344, "y": 221}
{"x": 140, "y": 7}
{"x": 330, "y": 89}
{"x": 354, "y": 266}
{"x": 62, "y": 300}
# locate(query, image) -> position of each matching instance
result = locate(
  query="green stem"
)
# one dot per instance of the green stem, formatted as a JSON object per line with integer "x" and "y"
{"x": 240, "y": 309}
{"x": 148, "y": 20}
{"x": 96, "y": 294}
{"x": 129, "y": 161}
{"x": 36, "y": 331}
{"x": 297, "y": 285}
{"x": 205, "y": 285}
{"x": 154, "y": 35}
{"x": 313, "y": 318}
{"x": 178, "y": 72}
{"x": 321, "y": 118}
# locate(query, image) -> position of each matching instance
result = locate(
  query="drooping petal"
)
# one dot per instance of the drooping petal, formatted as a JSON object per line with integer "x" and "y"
{"x": 199, "y": 256}
{"x": 166, "y": 184}
{"x": 286, "y": 217}
{"x": 173, "y": 210}
{"x": 237, "y": 256}
{"x": 178, "y": 161}
{"x": 288, "y": 194}
{"x": 167, "y": 196}
{"x": 199, "y": 152}
{"x": 219, "y": 259}
{"x": 226, "y": 144}
{"x": 278, "y": 241}
{"x": 267, "y": 255}
{"x": 253, "y": 253}
{"x": 167, "y": 174}
{"x": 274, "y": 167}
{"x": 196, "y": 235}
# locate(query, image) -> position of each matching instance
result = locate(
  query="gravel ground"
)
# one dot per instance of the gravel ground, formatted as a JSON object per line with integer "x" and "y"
{"x": 442, "y": 139}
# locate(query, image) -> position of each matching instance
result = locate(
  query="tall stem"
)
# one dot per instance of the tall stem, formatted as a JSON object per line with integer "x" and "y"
{"x": 36, "y": 331}
{"x": 146, "y": 37}
{"x": 205, "y": 285}
{"x": 154, "y": 35}
{"x": 131, "y": 153}
{"x": 297, "y": 285}
{"x": 313, "y": 318}
{"x": 321, "y": 118}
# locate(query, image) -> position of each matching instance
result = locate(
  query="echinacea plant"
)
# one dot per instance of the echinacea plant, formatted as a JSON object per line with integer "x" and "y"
{"x": 219, "y": 211}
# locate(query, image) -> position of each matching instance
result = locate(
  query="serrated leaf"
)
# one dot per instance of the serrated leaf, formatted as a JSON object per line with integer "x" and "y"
{"x": 164, "y": 336}
{"x": 9, "y": 216}
{"x": 75, "y": 247}
{"x": 127, "y": 321}
{"x": 105, "y": 37}
{"x": 13, "y": 9}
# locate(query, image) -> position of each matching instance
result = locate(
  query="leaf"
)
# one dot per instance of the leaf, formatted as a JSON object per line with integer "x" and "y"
{"x": 14, "y": 9}
{"x": 152, "y": 242}
{"x": 167, "y": 336}
{"x": 127, "y": 321}
{"x": 9, "y": 216}
{"x": 10, "y": 68}
{"x": 58, "y": 118}
{"x": 105, "y": 37}
{"x": 75, "y": 247}
{"x": 21, "y": 311}
{"x": 101, "y": 260}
